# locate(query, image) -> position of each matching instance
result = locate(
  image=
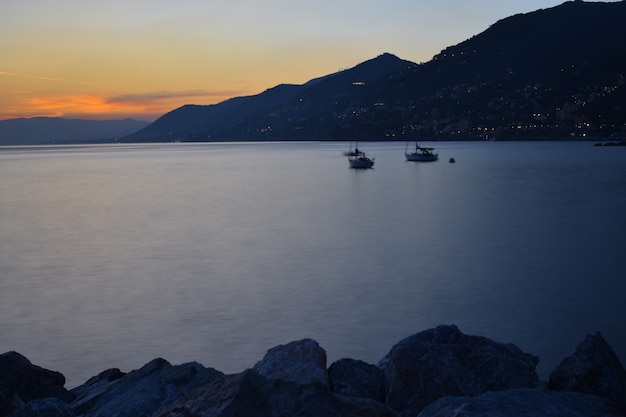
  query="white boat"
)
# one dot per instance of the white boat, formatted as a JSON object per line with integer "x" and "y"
{"x": 421, "y": 154}
{"x": 358, "y": 159}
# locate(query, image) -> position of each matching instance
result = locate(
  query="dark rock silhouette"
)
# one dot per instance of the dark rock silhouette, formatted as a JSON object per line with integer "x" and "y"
{"x": 443, "y": 361}
{"x": 521, "y": 402}
{"x": 302, "y": 362}
{"x": 139, "y": 392}
{"x": 354, "y": 378}
{"x": 251, "y": 394}
{"x": 593, "y": 368}
{"x": 22, "y": 382}
{"x": 439, "y": 372}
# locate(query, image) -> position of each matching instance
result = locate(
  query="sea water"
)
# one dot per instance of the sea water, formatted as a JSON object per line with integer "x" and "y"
{"x": 113, "y": 255}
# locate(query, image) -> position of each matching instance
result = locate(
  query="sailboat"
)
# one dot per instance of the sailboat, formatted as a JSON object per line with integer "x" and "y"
{"x": 357, "y": 158}
{"x": 421, "y": 154}
{"x": 360, "y": 161}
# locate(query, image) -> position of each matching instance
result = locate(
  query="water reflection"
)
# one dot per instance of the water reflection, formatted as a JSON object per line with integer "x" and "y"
{"x": 112, "y": 256}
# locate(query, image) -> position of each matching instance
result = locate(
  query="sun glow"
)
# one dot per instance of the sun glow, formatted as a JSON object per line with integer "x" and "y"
{"x": 73, "y": 58}
{"x": 87, "y": 107}
{"x": 147, "y": 106}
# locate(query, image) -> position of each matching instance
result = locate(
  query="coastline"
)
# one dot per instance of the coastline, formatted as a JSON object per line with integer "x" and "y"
{"x": 428, "y": 374}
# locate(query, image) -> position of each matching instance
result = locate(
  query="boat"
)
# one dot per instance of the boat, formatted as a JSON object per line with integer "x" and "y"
{"x": 421, "y": 154}
{"x": 360, "y": 161}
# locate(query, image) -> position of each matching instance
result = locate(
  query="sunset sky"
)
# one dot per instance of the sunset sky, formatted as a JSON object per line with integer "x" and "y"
{"x": 142, "y": 58}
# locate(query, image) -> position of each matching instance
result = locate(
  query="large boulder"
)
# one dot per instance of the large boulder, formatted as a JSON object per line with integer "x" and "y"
{"x": 520, "y": 402}
{"x": 140, "y": 392}
{"x": 96, "y": 386}
{"x": 443, "y": 361}
{"x": 21, "y": 382}
{"x": 358, "y": 379}
{"x": 593, "y": 368}
{"x": 290, "y": 380}
{"x": 440, "y": 372}
{"x": 49, "y": 407}
{"x": 302, "y": 361}
{"x": 238, "y": 394}
{"x": 252, "y": 394}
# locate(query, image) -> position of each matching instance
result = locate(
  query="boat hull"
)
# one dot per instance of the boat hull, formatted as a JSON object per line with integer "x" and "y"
{"x": 421, "y": 157}
{"x": 361, "y": 163}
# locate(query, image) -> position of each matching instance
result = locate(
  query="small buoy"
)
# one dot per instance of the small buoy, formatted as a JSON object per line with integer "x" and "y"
{"x": 452, "y": 160}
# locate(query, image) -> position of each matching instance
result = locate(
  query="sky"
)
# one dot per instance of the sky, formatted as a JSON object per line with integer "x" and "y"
{"x": 114, "y": 59}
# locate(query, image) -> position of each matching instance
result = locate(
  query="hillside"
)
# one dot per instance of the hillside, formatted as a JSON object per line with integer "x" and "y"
{"x": 550, "y": 74}
{"x": 46, "y": 130}
{"x": 247, "y": 117}
{"x": 554, "y": 73}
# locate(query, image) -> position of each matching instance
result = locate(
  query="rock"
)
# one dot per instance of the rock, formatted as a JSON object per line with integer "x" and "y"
{"x": 97, "y": 384}
{"x": 353, "y": 378}
{"x": 593, "y": 368}
{"x": 49, "y": 407}
{"x": 438, "y": 372}
{"x": 443, "y": 361}
{"x": 140, "y": 392}
{"x": 105, "y": 376}
{"x": 252, "y": 394}
{"x": 302, "y": 361}
{"x": 21, "y": 382}
{"x": 520, "y": 402}
{"x": 247, "y": 393}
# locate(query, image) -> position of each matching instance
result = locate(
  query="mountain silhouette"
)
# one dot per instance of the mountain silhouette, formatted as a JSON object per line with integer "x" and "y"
{"x": 47, "y": 130}
{"x": 552, "y": 73}
{"x": 198, "y": 122}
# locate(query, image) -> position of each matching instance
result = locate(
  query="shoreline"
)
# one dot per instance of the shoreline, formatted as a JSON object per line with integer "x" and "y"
{"x": 428, "y": 373}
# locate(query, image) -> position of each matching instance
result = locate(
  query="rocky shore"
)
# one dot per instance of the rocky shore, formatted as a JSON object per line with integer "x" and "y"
{"x": 438, "y": 372}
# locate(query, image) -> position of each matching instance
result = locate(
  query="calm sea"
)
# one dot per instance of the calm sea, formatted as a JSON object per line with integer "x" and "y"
{"x": 111, "y": 256}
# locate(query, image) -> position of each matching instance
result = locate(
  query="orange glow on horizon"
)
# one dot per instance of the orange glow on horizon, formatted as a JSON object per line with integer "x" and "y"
{"x": 147, "y": 107}
{"x": 91, "y": 105}
{"x": 25, "y": 94}
{"x": 115, "y": 59}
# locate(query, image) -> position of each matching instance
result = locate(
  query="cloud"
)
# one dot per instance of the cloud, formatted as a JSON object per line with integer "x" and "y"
{"x": 173, "y": 95}
{"x": 141, "y": 105}
{"x": 89, "y": 107}
{"x": 44, "y": 78}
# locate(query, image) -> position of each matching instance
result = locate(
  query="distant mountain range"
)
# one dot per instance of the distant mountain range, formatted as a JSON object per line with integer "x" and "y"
{"x": 550, "y": 74}
{"x": 47, "y": 130}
